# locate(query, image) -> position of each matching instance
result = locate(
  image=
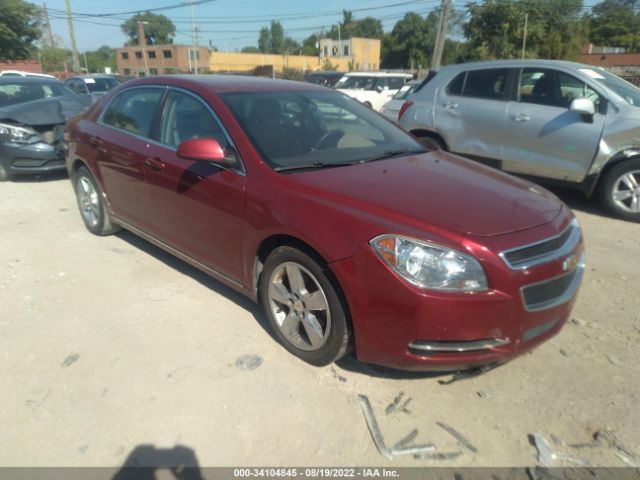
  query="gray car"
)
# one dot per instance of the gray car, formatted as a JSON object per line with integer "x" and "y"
{"x": 558, "y": 122}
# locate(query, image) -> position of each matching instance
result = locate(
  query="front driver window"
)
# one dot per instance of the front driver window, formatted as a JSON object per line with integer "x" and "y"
{"x": 186, "y": 118}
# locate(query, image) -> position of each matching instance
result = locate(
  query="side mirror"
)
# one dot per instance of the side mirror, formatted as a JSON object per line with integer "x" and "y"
{"x": 379, "y": 89}
{"x": 206, "y": 150}
{"x": 583, "y": 106}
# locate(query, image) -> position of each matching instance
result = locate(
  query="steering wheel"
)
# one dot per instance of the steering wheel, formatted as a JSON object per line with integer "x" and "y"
{"x": 332, "y": 136}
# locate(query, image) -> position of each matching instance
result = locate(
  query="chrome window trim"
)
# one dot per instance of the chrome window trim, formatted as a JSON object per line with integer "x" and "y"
{"x": 564, "y": 250}
{"x": 100, "y": 121}
{"x": 577, "y": 273}
{"x": 198, "y": 98}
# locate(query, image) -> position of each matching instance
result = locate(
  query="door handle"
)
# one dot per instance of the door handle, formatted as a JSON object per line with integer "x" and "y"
{"x": 95, "y": 141}
{"x": 451, "y": 105}
{"x": 154, "y": 164}
{"x": 521, "y": 117}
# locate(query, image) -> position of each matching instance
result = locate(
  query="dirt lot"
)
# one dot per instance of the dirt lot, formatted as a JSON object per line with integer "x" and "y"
{"x": 109, "y": 343}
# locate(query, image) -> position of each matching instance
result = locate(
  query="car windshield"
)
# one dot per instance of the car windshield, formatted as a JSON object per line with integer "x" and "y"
{"x": 21, "y": 92}
{"x": 101, "y": 84}
{"x": 356, "y": 82}
{"x": 629, "y": 92}
{"x": 311, "y": 129}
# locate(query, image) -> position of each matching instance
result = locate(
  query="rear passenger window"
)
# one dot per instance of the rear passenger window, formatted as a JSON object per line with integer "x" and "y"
{"x": 133, "y": 110}
{"x": 455, "y": 87}
{"x": 186, "y": 118}
{"x": 489, "y": 84}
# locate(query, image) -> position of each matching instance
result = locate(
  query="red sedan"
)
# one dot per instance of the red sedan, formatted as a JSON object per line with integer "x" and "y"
{"x": 348, "y": 233}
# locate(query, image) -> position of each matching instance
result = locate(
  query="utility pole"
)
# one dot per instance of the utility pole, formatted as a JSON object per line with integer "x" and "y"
{"x": 72, "y": 37}
{"x": 47, "y": 24}
{"x": 194, "y": 38}
{"x": 524, "y": 35}
{"x": 441, "y": 35}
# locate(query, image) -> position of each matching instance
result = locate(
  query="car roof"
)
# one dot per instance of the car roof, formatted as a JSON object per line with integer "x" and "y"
{"x": 516, "y": 64}
{"x": 29, "y": 79}
{"x": 227, "y": 83}
{"x": 377, "y": 74}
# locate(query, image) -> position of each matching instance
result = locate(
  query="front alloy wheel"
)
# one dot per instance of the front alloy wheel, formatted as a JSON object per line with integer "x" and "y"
{"x": 620, "y": 190}
{"x": 302, "y": 302}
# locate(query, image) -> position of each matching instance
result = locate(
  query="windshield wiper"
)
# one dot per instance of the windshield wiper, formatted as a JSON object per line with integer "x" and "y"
{"x": 392, "y": 153}
{"x": 314, "y": 165}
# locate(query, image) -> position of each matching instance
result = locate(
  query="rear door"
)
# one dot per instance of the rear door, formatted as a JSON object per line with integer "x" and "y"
{"x": 197, "y": 206}
{"x": 120, "y": 147}
{"x": 541, "y": 136}
{"x": 470, "y": 112}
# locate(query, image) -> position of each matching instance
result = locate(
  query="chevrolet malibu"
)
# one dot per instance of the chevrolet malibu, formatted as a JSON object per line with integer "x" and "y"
{"x": 348, "y": 233}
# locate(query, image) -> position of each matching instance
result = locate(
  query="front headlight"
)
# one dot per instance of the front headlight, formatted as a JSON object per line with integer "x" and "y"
{"x": 16, "y": 134}
{"x": 430, "y": 266}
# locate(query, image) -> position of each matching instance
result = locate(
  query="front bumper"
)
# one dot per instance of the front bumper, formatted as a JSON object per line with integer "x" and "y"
{"x": 41, "y": 157}
{"x": 399, "y": 325}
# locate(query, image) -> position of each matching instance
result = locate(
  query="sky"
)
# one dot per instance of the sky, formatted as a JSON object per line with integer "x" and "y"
{"x": 227, "y": 24}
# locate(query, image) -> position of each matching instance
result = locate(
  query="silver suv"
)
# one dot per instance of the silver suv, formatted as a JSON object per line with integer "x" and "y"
{"x": 561, "y": 122}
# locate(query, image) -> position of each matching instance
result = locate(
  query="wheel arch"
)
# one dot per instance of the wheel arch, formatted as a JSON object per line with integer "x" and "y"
{"x": 615, "y": 160}
{"x": 423, "y": 132}
{"x": 270, "y": 243}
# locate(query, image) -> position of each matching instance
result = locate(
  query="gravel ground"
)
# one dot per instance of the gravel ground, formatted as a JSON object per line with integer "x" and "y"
{"x": 109, "y": 344}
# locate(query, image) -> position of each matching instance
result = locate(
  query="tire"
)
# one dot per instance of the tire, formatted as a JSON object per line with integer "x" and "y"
{"x": 5, "y": 176}
{"x": 620, "y": 190}
{"x": 91, "y": 204}
{"x": 303, "y": 307}
{"x": 431, "y": 143}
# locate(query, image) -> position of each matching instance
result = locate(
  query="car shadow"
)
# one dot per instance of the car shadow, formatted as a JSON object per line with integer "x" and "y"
{"x": 577, "y": 200}
{"x": 41, "y": 177}
{"x": 197, "y": 275}
{"x": 351, "y": 364}
{"x": 146, "y": 462}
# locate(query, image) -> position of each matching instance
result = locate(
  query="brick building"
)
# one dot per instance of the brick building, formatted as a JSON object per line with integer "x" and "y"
{"x": 143, "y": 59}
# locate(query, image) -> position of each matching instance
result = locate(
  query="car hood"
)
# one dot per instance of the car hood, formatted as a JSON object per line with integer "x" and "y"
{"x": 442, "y": 190}
{"x": 48, "y": 111}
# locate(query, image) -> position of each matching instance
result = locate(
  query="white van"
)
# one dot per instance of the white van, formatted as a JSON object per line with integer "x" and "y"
{"x": 374, "y": 89}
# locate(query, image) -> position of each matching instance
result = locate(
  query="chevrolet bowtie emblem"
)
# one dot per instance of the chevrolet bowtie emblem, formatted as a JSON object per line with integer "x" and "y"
{"x": 569, "y": 263}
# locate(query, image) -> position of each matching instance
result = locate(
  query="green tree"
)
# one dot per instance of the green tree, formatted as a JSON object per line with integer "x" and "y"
{"x": 555, "y": 28}
{"x": 158, "y": 29}
{"x": 250, "y": 50}
{"x": 55, "y": 59}
{"x": 310, "y": 45}
{"x": 616, "y": 23}
{"x": 272, "y": 40}
{"x": 98, "y": 60}
{"x": 349, "y": 27}
{"x": 20, "y": 26}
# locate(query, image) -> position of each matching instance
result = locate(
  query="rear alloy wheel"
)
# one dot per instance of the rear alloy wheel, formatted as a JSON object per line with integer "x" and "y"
{"x": 620, "y": 190}
{"x": 91, "y": 204}
{"x": 303, "y": 307}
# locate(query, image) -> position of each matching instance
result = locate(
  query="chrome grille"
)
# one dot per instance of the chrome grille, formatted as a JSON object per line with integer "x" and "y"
{"x": 543, "y": 251}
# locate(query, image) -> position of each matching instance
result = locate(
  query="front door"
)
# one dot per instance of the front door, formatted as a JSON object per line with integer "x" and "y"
{"x": 197, "y": 206}
{"x": 541, "y": 136}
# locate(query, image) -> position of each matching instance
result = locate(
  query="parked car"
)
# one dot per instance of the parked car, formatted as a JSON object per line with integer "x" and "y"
{"x": 556, "y": 122}
{"x": 326, "y": 79}
{"x": 20, "y": 73}
{"x": 338, "y": 222}
{"x": 391, "y": 109}
{"x": 33, "y": 112}
{"x": 93, "y": 83}
{"x": 373, "y": 89}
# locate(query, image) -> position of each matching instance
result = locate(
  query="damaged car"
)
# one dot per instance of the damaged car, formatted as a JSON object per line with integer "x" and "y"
{"x": 33, "y": 113}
